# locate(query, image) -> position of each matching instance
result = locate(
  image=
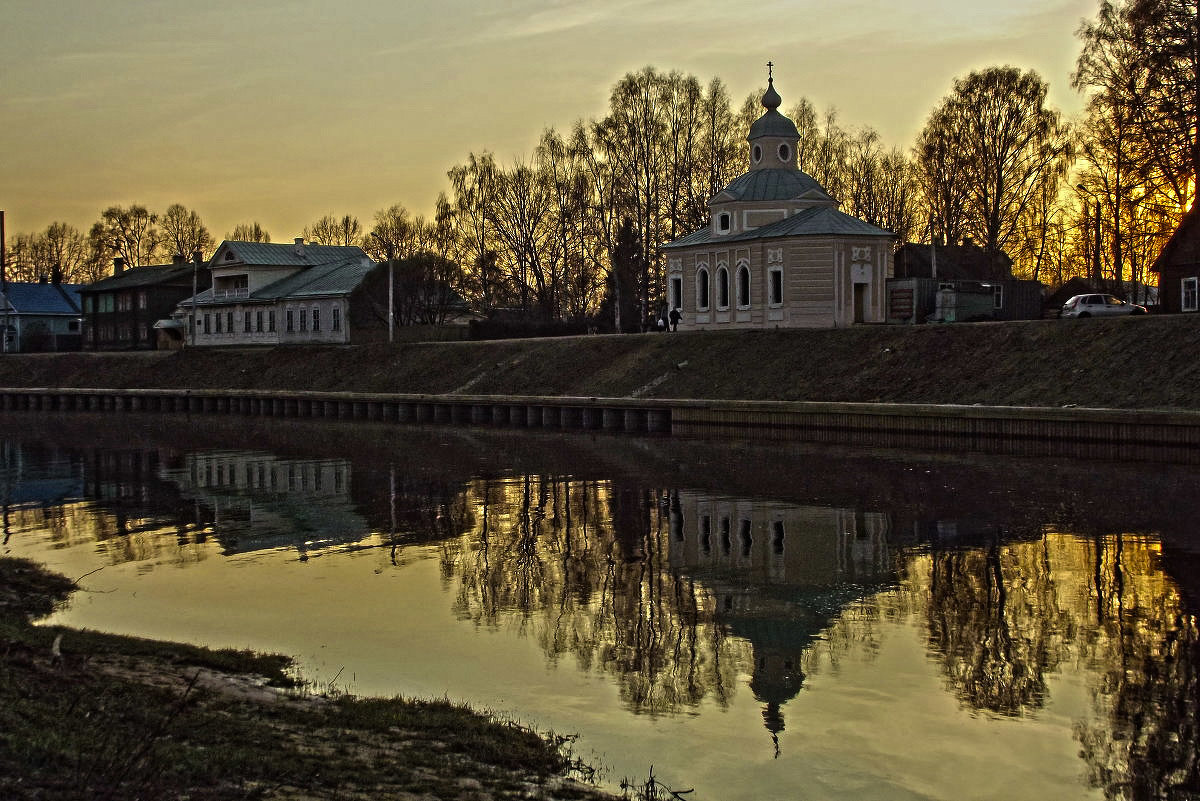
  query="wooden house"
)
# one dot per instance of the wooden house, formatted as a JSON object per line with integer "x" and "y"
{"x": 1178, "y": 267}
{"x": 120, "y": 312}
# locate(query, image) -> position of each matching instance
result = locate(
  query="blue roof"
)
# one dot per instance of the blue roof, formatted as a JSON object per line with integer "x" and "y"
{"x": 816, "y": 221}
{"x": 39, "y": 298}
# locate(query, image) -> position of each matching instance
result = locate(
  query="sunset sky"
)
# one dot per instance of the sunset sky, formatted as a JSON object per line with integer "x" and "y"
{"x": 282, "y": 111}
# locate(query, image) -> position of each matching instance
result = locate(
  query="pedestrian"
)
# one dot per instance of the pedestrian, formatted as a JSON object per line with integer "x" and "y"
{"x": 676, "y": 315}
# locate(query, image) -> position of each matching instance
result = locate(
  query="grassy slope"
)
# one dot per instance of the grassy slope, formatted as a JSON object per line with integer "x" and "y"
{"x": 1147, "y": 362}
{"x": 122, "y": 717}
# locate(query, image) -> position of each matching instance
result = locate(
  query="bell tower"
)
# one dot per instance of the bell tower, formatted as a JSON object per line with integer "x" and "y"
{"x": 773, "y": 137}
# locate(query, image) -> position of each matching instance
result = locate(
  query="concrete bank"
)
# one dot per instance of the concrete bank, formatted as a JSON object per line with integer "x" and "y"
{"x": 1069, "y": 432}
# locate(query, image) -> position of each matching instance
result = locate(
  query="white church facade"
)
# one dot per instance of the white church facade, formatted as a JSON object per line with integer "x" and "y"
{"x": 777, "y": 252}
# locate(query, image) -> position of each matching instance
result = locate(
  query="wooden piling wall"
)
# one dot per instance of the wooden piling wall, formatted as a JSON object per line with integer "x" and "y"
{"x": 1071, "y": 432}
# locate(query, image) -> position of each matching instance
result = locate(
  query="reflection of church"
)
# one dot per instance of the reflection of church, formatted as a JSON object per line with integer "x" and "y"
{"x": 780, "y": 574}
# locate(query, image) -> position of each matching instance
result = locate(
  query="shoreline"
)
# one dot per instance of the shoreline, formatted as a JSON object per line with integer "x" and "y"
{"x": 88, "y": 715}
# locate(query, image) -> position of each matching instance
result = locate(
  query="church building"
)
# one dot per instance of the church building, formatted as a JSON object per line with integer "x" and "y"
{"x": 777, "y": 252}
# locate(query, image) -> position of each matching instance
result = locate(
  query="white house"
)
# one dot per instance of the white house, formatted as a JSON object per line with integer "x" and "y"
{"x": 777, "y": 251}
{"x": 274, "y": 294}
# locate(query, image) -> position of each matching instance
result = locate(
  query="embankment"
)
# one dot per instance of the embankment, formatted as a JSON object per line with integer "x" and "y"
{"x": 1131, "y": 363}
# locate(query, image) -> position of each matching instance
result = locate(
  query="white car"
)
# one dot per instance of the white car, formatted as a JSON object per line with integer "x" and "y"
{"x": 1099, "y": 306}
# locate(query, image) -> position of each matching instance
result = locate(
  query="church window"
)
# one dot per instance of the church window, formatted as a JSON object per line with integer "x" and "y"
{"x": 702, "y": 292}
{"x": 785, "y": 152}
{"x": 723, "y": 221}
{"x": 676, "y": 292}
{"x": 722, "y": 288}
{"x": 775, "y": 286}
{"x": 743, "y": 287}
{"x": 757, "y": 154}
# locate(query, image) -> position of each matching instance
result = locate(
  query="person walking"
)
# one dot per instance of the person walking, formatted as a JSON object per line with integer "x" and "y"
{"x": 676, "y": 315}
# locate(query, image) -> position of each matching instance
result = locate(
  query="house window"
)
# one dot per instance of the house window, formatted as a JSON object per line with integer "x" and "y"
{"x": 143, "y": 332}
{"x": 271, "y": 321}
{"x": 142, "y": 299}
{"x": 777, "y": 538}
{"x": 722, "y": 288}
{"x": 775, "y": 286}
{"x": 289, "y": 325}
{"x": 207, "y": 323}
{"x": 998, "y": 297}
{"x": 743, "y": 287}
{"x": 218, "y": 316}
{"x": 702, "y": 292}
{"x": 229, "y": 321}
{"x": 316, "y": 319}
{"x": 337, "y": 319}
{"x": 1190, "y": 299}
{"x": 304, "y": 319}
{"x": 258, "y": 322}
{"x": 87, "y": 303}
{"x": 246, "y": 321}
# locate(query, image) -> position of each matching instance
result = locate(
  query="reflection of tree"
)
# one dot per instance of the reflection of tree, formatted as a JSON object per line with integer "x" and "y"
{"x": 995, "y": 624}
{"x": 582, "y": 567}
{"x": 1148, "y": 647}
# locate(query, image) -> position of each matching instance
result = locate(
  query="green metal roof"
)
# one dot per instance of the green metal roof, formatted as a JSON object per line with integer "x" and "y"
{"x": 772, "y": 184}
{"x": 773, "y": 124}
{"x": 280, "y": 254}
{"x": 322, "y": 280}
{"x": 817, "y": 221}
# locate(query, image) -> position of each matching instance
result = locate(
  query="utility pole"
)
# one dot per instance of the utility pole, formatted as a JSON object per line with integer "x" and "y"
{"x": 391, "y": 296}
{"x": 196, "y": 257}
{"x": 3, "y": 286}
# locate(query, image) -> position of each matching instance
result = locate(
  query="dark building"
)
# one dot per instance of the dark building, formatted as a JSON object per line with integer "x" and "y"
{"x": 958, "y": 283}
{"x": 119, "y": 312}
{"x": 1178, "y": 267}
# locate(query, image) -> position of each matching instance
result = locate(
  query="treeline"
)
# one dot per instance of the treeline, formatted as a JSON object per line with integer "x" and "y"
{"x": 572, "y": 229}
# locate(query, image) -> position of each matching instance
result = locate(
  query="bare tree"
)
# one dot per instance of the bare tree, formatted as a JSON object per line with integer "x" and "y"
{"x": 249, "y": 232}
{"x": 183, "y": 233}
{"x": 330, "y": 230}
{"x": 1009, "y": 143}
{"x": 129, "y": 233}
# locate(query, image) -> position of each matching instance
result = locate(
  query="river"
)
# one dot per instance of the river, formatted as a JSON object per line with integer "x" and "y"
{"x": 748, "y": 620}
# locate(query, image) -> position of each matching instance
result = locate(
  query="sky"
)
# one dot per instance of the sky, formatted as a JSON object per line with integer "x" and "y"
{"x": 282, "y": 111}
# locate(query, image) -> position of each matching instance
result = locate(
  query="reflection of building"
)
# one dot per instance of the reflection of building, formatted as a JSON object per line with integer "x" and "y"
{"x": 780, "y": 573}
{"x": 259, "y": 501}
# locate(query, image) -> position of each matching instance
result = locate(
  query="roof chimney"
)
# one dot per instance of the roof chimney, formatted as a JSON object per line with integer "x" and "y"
{"x": 118, "y": 265}
{"x": 177, "y": 258}
{"x": 299, "y": 246}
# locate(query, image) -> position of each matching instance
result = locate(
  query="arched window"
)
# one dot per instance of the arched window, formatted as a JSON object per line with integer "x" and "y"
{"x": 702, "y": 292}
{"x": 743, "y": 287}
{"x": 722, "y": 287}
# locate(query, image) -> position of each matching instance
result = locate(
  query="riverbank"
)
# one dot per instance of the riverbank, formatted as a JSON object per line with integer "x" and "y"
{"x": 1129, "y": 363}
{"x": 85, "y": 715}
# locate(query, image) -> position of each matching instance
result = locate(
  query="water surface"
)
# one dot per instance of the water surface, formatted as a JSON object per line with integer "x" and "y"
{"x": 752, "y": 620}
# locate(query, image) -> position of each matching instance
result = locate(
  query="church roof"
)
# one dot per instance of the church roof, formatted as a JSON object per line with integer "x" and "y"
{"x": 816, "y": 221}
{"x": 776, "y": 183}
{"x": 773, "y": 124}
